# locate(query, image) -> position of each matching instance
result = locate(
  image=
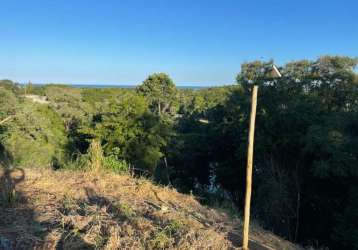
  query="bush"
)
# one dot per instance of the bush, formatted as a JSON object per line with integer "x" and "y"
{"x": 114, "y": 164}
{"x": 35, "y": 137}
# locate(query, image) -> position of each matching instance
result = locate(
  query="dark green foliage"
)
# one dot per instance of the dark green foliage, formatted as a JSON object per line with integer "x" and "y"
{"x": 145, "y": 149}
{"x": 189, "y": 155}
{"x": 306, "y": 159}
{"x": 305, "y": 147}
{"x": 346, "y": 229}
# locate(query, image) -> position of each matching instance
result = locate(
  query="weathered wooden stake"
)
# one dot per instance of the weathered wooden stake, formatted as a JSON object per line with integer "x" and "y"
{"x": 250, "y": 153}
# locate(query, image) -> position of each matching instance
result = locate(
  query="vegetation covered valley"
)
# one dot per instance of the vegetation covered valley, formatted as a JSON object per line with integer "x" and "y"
{"x": 68, "y": 153}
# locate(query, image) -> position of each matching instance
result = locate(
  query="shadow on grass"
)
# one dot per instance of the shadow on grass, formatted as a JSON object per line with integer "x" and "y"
{"x": 19, "y": 224}
{"x": 15, "y": 215}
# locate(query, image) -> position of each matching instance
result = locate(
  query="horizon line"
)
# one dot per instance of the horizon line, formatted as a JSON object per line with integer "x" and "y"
{"x": 127, "y": 84}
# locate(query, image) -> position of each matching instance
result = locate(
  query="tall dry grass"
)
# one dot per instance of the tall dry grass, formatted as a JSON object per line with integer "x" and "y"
{"x": 96, "y": 156}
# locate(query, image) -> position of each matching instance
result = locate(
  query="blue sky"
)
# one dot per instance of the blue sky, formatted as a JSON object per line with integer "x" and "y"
{"x": 197, "y": 41}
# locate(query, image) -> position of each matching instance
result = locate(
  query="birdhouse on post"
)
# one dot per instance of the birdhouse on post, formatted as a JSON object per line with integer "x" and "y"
{"x": 275, "y": 73}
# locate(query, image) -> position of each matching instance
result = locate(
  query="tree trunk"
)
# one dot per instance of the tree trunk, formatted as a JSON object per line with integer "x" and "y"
{"x": 297, "y": 215}
{"x": 159, "y": 108}
{"x": 167, "y": 170}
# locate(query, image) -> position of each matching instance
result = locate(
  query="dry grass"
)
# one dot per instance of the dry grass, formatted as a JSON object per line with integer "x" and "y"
{"x": 76, "y": 210}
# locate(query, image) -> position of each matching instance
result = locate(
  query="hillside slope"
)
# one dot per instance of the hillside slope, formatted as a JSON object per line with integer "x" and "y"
{"x": 75, "y": 210}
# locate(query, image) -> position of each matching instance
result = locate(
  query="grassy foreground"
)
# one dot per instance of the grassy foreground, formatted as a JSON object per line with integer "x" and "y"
{"x": 77, "y": 210}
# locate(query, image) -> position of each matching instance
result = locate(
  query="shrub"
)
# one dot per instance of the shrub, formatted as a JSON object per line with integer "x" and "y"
{"x": 114, "y": 164}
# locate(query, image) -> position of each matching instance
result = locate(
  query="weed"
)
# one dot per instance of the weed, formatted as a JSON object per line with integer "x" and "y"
{"x": 100, "y": 241}
{"x": 161, "y": 240}
{"x": 115, "y": 165}
{"x": 80, "y": 162}
{"x": 165, "y": 237}
{"x": 174, "y": 227}
{"x": 67, "y": 203}
{"x": 126, "y": 210}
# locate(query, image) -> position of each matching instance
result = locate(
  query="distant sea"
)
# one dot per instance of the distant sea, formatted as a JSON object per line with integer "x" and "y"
{"x": 100, "y": 86}
{"x": 123, "y": 86}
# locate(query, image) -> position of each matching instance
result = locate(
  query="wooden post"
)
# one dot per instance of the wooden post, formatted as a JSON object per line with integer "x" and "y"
{"x": 250, "y": 153}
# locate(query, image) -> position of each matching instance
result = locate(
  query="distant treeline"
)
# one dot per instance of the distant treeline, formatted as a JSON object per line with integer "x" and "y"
{"x": 306, "y": 141}
{"x": 112, "y": 86}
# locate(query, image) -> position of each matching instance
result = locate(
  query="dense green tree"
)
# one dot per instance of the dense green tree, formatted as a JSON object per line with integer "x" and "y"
{"x": 127, "y": 129}
{"x": 35, "y": 136}
{"x": 160, "y": 92}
